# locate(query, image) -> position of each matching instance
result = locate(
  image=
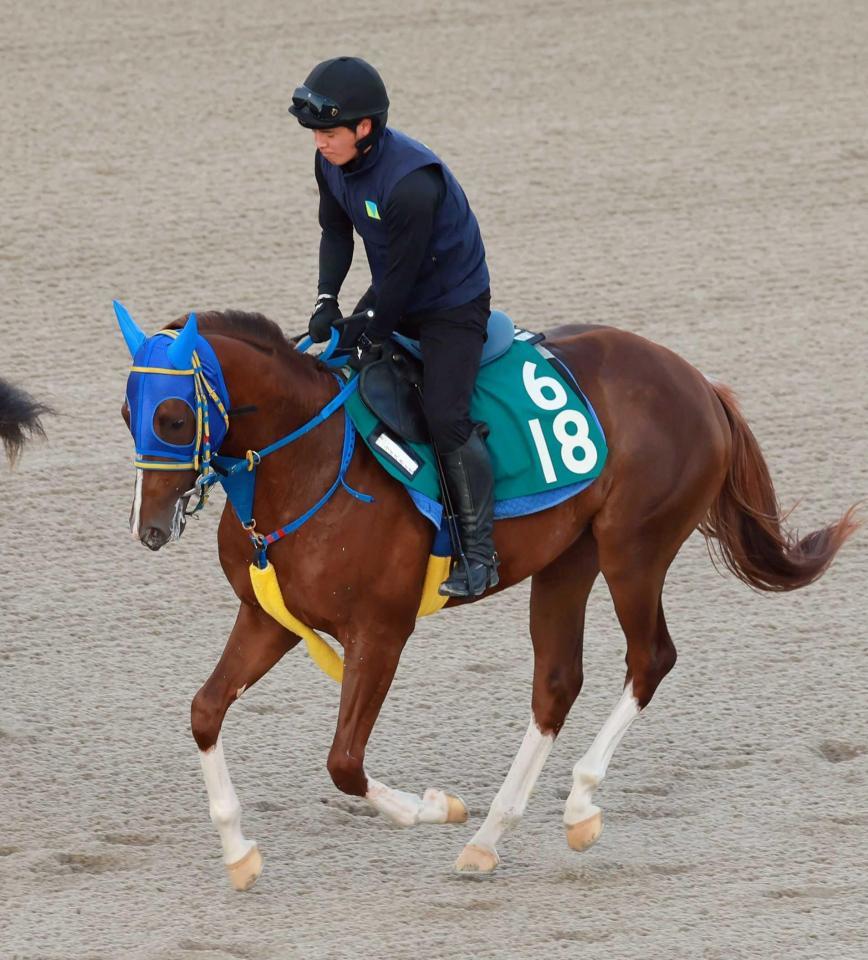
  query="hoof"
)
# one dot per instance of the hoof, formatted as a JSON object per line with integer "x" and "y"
{"x": 476, "y": 860}
{"x": 438, "y": 806}
{"x": 245, "y": 872}
{"x": 456, "y": 809}
{"x": 585, "y": 833}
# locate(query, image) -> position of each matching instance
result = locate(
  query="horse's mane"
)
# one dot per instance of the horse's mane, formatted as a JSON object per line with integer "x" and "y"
{"x": 253, "y": 328}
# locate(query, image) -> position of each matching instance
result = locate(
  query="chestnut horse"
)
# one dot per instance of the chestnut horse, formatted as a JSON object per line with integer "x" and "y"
{"x": 681, "y": 458}
{"x": 19, "y": 418}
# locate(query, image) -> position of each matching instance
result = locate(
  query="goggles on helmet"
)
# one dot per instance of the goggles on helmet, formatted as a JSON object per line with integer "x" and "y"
{"x": 318, "y": 106}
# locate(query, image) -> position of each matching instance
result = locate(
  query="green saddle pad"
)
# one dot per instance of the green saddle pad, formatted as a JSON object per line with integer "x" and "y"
{"x": 543, "y": 433}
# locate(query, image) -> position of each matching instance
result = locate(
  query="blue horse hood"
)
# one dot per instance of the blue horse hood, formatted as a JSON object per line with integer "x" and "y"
{"x": 147, "y": 390}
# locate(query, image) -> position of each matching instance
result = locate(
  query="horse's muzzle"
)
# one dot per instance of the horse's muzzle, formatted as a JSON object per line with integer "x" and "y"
{"x": 153, "y": 538}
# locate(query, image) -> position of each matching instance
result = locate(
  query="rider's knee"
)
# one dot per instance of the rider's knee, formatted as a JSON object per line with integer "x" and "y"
{"x": 447, "y": 433}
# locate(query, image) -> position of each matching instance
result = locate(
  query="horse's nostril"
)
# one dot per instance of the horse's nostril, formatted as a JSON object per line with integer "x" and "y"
{"x": 154, "y": 538}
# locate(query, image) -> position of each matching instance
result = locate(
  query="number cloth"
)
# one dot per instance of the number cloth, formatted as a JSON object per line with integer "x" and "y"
{"x": 544, "y": 435}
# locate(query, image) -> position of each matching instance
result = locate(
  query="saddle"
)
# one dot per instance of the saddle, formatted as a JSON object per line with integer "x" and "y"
{"x": 392, "y": 387}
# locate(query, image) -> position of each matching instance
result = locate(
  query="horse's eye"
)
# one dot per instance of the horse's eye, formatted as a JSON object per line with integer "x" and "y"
{"x": 177, "y": 424}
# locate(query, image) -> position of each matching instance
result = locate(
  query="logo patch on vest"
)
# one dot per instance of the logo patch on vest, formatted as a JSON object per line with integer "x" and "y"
{"x": 371, "y": 210}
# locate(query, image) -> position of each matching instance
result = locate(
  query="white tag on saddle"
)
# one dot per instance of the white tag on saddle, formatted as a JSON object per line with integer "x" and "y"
{"x": 397, "y": 454}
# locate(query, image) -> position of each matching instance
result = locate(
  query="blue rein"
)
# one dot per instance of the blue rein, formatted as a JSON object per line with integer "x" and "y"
{"x": 238, "y": 475}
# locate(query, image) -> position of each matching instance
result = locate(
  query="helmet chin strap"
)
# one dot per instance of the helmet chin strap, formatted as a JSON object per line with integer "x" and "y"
{"x": 365, "y": 143}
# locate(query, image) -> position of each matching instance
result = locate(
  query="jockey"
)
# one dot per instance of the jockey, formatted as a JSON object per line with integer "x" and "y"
{"x": 429, "y": 277}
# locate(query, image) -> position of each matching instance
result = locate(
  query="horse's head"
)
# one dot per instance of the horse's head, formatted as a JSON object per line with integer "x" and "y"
{"x": 176, "y": 409}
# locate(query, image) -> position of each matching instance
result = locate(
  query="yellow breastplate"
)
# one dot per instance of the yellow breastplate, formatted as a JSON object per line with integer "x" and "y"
{"x": 270, "y": 598}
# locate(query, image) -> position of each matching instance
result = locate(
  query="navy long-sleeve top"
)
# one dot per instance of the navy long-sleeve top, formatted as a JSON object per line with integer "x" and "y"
{"x": 409, "y": 220}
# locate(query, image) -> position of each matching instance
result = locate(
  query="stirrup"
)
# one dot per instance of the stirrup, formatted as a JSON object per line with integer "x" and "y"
{"x": 470, "y": 578}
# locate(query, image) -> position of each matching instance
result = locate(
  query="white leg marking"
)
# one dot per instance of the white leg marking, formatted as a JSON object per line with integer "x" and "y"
{"x": 509, "y": 804}
{"x": 223, "y": 804}
{"x": 408, "y": 809}
{"x": 588, "y": 773}
{"x": 137, "y": 505}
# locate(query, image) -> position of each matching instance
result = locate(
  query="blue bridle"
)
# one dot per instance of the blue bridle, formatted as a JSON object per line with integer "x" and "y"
{"x": 183, "y": 365}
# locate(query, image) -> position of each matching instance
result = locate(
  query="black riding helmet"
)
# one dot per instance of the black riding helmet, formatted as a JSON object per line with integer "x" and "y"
{"x": 339, "y": 92}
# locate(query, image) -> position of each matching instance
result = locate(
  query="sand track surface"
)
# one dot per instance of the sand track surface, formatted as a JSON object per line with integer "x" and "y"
{"x": 694, "y": 172}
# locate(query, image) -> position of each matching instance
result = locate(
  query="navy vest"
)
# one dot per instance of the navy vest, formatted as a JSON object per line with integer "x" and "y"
{"x": 453, "y": 271}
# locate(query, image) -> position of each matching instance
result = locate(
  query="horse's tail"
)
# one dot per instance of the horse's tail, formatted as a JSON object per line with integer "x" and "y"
{"x": 19, "y": 418}
{"x": 746, "y": 520}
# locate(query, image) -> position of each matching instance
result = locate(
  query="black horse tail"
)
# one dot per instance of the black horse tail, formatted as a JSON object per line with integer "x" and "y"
{"x": 747, "y": 525}
{"x": 19, "y": 418}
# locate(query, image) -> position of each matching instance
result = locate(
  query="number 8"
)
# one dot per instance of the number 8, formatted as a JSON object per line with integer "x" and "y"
{"x": 572, "y": 441}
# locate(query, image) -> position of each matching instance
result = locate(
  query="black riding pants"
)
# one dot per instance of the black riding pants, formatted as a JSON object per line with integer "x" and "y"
{"x": 451, "y": 342}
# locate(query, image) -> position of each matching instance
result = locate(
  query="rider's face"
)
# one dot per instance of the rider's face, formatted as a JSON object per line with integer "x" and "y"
{"x": 338, "y": 145}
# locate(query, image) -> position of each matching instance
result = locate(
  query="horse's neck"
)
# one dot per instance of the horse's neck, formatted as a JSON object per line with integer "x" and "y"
{"x": 286, "y": 392}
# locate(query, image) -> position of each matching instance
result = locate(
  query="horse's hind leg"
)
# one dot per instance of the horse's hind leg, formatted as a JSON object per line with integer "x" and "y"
{"x": 558, "y": 597}
{"x": 255, "y": 644}
{"x": 636, "y": 591}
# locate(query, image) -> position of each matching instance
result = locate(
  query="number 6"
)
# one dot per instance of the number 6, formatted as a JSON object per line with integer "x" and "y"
{"x": 535, "y": 386}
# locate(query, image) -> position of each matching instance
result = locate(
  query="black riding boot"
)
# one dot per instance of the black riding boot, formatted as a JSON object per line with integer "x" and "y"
{"x": 471, "y": 487}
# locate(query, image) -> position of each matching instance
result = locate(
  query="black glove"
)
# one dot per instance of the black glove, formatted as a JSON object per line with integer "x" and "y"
{"x": 367, "y": 351}
{"x": 325, "y": 313}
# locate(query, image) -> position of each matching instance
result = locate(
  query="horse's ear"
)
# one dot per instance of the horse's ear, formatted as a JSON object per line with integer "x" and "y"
{"x": 180, "y": 351}
{"x": 133, "y": 335}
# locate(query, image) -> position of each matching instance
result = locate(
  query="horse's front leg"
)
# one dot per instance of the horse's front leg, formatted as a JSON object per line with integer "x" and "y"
{"x": 255, "y": 644}
{"x": 370, "y": 662}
